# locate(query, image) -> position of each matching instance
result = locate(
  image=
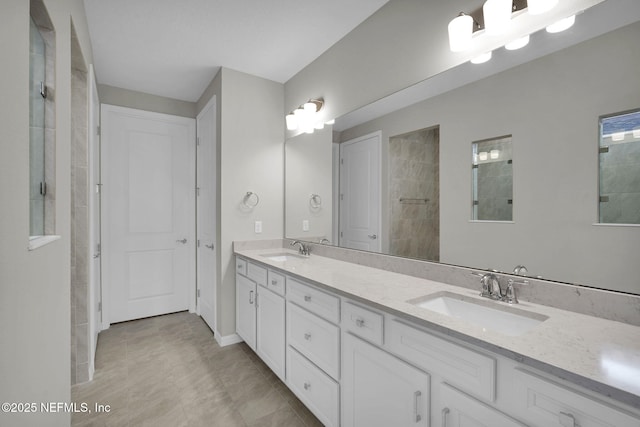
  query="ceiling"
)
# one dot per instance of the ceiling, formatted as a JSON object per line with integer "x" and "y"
{"x": 174, "y": 48}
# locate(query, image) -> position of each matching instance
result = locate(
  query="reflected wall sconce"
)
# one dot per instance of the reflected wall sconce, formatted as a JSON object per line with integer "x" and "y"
{"x": 494, "y": 19}
{"x": 315, "y": 201}
{"x": 305, "y": 117}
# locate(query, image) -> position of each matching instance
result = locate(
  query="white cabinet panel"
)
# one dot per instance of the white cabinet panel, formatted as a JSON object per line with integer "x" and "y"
{"x": 460, "y": 410}
{"x": 362, "y": 322}
{"x": 381, "y": 390}
{"x": 544, "y": 403}
{"x": 246, "y": 310}
{"x": 313, "y": 387}
{"x": 314, "y": 300}
{"x": 270, "y": 342}
{"x": 257, "y": 273}
{"x": 466, "y": 369}
{"x": 314, "y": 337}
{"x": 276, "y": 282}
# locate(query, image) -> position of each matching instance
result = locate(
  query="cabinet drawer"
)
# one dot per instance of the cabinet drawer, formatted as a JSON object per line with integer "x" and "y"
{"x": 458, "y": 409}
{"x": 466, "y": 369}
{"x": 241, "y": 266}
{"x": 257, "y": 273}
{"x": 544, "y": 403}
{"x": 313, "y": 387}
{"x": 275, "y": 282}
{"x": 362, "y": 322}
{"x": 314, "y": 337}
{"x": 314, "y": 300}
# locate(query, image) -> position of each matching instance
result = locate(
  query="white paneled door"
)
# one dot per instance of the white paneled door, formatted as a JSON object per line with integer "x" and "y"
{"x": 148, "y": 213}
{"x": 206, "y": 206}
{"x": 360, "y": 193}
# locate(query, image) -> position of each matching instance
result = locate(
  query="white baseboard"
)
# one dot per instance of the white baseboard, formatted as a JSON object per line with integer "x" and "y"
{"x": 226, "y": 339}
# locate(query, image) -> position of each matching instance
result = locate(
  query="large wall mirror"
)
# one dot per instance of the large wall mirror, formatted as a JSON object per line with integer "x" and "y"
{"x": 419, "y": 187}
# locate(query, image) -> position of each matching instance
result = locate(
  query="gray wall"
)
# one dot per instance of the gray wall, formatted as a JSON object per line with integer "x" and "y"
{"x": 551, "y": 106}
{"x": 250, "y": 158}
{"x": 34, "y": 285}
{"x": 144, "y": 101}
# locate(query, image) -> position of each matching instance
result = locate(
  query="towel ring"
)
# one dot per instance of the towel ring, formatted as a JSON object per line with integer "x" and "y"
{"x": 315, "y": 201}
{"x": 250, "y": 200}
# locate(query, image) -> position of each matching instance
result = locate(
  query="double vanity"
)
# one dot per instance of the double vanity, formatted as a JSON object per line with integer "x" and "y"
{"x": 362, "y": 346}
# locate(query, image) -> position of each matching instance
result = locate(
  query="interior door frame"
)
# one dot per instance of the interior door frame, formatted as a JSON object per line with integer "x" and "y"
{"x": 105, "y": 220}
{"x": 377, "y": 134}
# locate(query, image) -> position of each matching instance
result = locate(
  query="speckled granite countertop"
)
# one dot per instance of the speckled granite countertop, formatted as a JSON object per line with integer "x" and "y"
{"x": 600, "y": 355}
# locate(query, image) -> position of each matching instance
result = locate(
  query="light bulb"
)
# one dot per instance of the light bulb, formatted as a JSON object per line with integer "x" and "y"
{"x": 330, "y": 122}
{"x": 537, "y": 7}
{"x": 561, "y": 25}
{"x": 497, "y": 16}
{"x": 460, "y": 32}
{"x": 292, "y": 121}
{"x": 319, "y": 125}
{"x": 483, "y": 156}
{"x": 618, "y": 136}
{"x": 517, "y": 43}
{"x": 636, "y": 133}
{"x": 481, "y": 59}
{"x": 494, "y": 154}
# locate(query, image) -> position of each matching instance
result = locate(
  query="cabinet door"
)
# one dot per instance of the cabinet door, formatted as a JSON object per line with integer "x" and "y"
{"x": 270, "y": 339}
{"x": 381, "y": 390}
{"x": 460, "y": 410}
{"x": 246, "y": 310}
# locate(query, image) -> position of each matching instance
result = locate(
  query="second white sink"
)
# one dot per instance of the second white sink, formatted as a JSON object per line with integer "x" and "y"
{"x": 486, "y": 314}
{"x": 283, "y": 256}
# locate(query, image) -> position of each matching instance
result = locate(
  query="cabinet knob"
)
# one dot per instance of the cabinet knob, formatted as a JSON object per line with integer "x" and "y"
{"x": 359, "y": 323}
{"x": 566, "y": 420}
{"x": 274, "y": 282}
{"x": 307, "y": 385}
{"x": 307, "y": 298}
{"x": 307, "y": 336}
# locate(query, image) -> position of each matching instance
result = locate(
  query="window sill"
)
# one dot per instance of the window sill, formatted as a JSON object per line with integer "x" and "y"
{"x": 36, "y": 242}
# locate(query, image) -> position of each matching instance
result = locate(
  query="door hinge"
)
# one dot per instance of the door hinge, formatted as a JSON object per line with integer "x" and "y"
{"x": 198, "y": 293}
{"x": 198, "y": 191}
{"x": 98, "y": 130}
{"x": 100, "y": 306}
{"x": 198, "y": 243}
{"x": 603, "y": 150}
{"x": 198, "y": 140}
{"x": 341, "y": 196}
{"x": 342, "y": 161}
{"x": 341, "y": 235}
{"x": 98, "y": 188}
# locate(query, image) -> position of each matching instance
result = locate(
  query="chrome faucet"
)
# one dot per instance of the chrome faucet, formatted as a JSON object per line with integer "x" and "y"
{"x": 510, "y": 295}
{"x": 302, "y": 249}
{"x": 520, "y": 270}
{"x": 490, "y": 286}
{"x": 324, "y": 240}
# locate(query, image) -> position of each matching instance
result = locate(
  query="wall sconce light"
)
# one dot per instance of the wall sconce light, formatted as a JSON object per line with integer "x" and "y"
{"x": 305, "y": 116}
{"x": 496, "y": 15}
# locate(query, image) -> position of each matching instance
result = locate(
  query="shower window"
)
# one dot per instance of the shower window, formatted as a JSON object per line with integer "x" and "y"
{"x": 492, "y": 180}
{"x": 41, "y": 122}
{"x": 619, "y": 152}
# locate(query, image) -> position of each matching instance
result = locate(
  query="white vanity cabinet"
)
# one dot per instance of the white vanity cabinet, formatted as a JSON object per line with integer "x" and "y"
{"x": 260, "y": 313}
{"x": 380, "y": 390}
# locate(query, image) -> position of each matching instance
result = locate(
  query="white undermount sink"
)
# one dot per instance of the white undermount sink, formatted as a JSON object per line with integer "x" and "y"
{"x": 283, "y": 256}
{"x": 491, "y": 315}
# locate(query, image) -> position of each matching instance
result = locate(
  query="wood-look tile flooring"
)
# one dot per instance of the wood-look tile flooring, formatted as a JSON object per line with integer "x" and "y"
{"x": 169, "y": 371}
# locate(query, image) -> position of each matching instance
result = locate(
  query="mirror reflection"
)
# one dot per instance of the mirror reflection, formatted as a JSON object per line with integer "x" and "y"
{"x": 492, "y": 175}
{"x": 551, "y": 109}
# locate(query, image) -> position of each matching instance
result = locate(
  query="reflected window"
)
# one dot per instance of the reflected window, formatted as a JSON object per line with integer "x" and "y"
{"x": 620, "y": 168}
{"x": 492, "y": 175}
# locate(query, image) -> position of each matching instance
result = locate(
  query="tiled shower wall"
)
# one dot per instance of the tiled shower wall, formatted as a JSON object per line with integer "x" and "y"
{"x": 414, "y": 177}
{"x": 79, "y": 229}
{"x": 620, "y": 182}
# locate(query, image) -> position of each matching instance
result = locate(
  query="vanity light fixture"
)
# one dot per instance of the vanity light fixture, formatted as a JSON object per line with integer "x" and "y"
{"x": 562, "y": 25}
{"x": 460, "y": 32}
{"x": 617, "y": 136}
{"x": 481, "y": 59}
{"x": 305, "y": 116}
{"x": 497, "y": 16}
{"x": 483, "y": 156}
{"x": 538, "y": 7}
{"x": 517, "y": 43}
{"x": 636, "y": 133}
{"x": 494, "y": 154}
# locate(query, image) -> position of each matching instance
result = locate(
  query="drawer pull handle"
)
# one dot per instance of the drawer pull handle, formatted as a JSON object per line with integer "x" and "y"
{"x": 566, "y": 420}
{"x": 416, "y": 396}
{"x": 445, "y": 412}
{"x": 359, "y": 323}
{"x": 307, "y": 336}
{"x": 250, "y": 297}
{"x": 239, "y": 267}
{"x": 307, "y": 298}
{"x": 274, "y": 282}
{"x": 307, "y": 386}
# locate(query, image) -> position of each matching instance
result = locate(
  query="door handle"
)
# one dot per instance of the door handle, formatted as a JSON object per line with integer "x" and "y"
{"x": 183, "y": 241}
{"x": 416, "y": 397}
{"x": 445, "y": 412}
{"x": 209, "y": 246}
{"x": 372, "y": 236}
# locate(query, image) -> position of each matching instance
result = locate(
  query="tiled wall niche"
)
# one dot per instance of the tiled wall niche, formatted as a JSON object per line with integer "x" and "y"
{"x": 80, "y": 334}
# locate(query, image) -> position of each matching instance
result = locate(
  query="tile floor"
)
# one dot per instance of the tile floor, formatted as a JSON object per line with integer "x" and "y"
{"x": 169, "y": 371}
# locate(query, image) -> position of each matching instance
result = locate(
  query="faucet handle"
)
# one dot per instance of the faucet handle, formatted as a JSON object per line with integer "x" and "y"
{"x": 510, "y": 295}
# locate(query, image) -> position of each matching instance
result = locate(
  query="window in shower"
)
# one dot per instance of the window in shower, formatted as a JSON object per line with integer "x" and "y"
{"x": 492, "y": 175}
{"x": 619, "y": 153}
{"x": 41, "y": 122}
